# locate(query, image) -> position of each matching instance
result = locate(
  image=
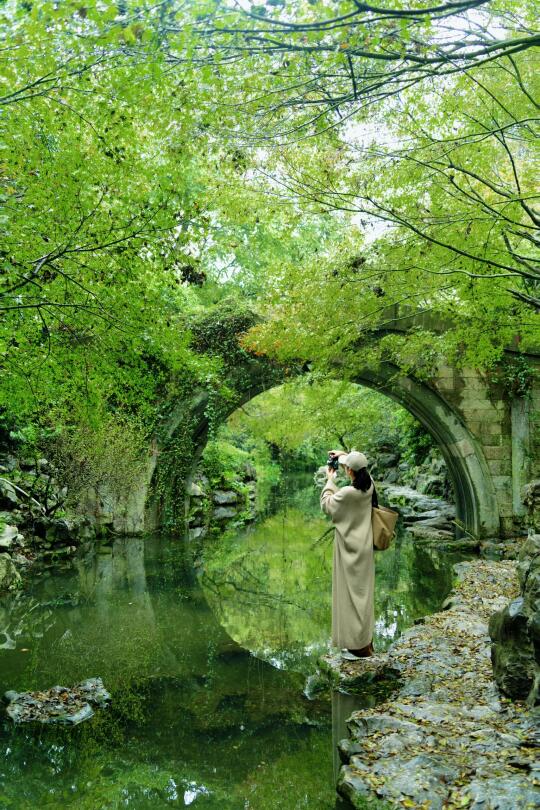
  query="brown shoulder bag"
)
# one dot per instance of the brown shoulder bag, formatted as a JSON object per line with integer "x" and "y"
{"x": 383, "y": 522}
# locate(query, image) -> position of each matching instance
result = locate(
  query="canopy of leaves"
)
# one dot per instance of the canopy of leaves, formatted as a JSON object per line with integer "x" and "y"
{"x": 308, "y": 416}
{"x": 122, "y": 214}
{"x": 146, "y": 176}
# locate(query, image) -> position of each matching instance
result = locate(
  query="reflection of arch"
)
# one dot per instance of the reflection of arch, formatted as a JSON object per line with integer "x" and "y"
{"x": 476, "y": 503}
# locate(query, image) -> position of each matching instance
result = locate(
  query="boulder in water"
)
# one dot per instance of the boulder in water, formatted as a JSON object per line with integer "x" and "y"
{"x": 58, "y": 705}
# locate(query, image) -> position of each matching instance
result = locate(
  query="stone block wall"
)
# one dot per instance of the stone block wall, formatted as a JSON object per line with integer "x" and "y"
{"x": 506, "y": 433}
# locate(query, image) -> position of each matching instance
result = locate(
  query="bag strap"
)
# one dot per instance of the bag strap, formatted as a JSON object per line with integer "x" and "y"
{"x": 374, "y": 498}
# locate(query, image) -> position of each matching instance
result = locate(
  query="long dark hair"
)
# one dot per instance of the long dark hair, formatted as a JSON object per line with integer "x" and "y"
{"x": 362, "y": 479}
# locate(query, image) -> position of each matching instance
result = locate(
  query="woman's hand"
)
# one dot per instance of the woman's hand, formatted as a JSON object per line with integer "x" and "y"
{"x": 330, "y": 473}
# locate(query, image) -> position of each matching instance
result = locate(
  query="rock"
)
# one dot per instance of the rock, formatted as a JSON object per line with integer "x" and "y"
{"x": 437, "y": 522}
{"x": 250, "y": 473}
{"x": 195, "y": 490}
{"x": 515, "y": 632}
{"x": 9, "y": 576}
{"x": 363, "y": 675}
{"x": 373, "y": 724}
{"x": 20, "y": 559}
{"x": 315, "y": 684}
{"x": 531, "y": 499}
{"x": 10, "y": 463}
{"x": 500, "y": 549}
{"x": 94, "y": 691}
{"x": 59, "y": 552}
{"x": 431, "y": 485}
{"x": 8, "y": 536}
{"x": 434, "y": 537}
{"x": 386, "y": 460}
{"x": 503, "y": 793}
{"x": 446, "y": 512}
{"x": 222, "y": 497}
{"x": 422, "y": 531}
{"x": 413, "y": 502}
{"x": 8, "y": 495}
{"x": 60, "y": 531}
{"x": 58, "y": 705}
{"x": 423, "y": 780}
{"x": 197, "y": 532}
{"x": 40, "y": 527}
{"x": 224, "y": 513}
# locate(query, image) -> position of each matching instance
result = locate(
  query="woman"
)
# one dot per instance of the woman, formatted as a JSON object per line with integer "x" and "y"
{"x": 353, "y": 575}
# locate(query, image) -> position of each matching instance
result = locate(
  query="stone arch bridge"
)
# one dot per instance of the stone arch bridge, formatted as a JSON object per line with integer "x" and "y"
{"x": 489, "y": 440}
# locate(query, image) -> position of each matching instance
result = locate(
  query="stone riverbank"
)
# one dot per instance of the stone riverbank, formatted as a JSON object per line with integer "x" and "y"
{"x": 446, "y": 738}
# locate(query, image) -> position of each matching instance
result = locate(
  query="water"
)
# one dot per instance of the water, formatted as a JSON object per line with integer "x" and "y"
{"x": 206, "y": 656}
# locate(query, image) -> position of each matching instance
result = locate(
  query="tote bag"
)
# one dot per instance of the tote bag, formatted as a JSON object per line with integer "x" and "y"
{"x": 383, "y": 522}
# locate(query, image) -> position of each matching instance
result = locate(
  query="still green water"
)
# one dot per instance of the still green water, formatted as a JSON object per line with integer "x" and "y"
{"x": 206, "y": 656}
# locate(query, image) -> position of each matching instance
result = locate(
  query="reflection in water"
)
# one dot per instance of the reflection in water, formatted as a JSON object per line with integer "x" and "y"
{"x": 270, "y": 585}
{"x": 196, "y": 719}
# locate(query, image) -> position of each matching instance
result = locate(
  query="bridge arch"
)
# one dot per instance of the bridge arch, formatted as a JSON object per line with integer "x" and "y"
{"x": 477, "y": 507}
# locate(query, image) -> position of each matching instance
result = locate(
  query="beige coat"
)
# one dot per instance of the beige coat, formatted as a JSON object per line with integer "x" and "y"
{"x": 353, "y": 575}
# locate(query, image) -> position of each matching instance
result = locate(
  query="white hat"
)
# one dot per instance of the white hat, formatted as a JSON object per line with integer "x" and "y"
{"x": 353, "y": 460}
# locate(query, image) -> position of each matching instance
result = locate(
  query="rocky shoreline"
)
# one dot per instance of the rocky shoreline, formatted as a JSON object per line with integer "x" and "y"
{"x": 33, "y": 521}
{"x": 447, "y": 737}
{"x": 36, "y": 524}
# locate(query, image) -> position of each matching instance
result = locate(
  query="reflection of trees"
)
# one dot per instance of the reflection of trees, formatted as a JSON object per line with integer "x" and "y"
{"x": 107, "y": 625}
{"x": 261, "y": 595}
{"x": 22, "y": 618}
{"x": 411, "y": 581}
{"x": 433, "y": 576}
{"x": 143, "y": 616}
{"x": 269, "y": 587}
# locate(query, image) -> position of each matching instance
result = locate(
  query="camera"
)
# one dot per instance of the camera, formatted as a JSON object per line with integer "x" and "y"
{"x": 333, "y": 461}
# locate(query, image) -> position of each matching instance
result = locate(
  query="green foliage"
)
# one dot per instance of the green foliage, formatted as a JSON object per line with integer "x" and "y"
{"x": 113, "y": 187}
{"x": 92, "y": 311}
{"x": 515, "y": 374}
{"x": 219, "y": 331}
{"x": 109, "y": 457}
{"x": 223, "y": 463}
{"x": 439, "y": 188}
{"x": 309, "y": 416}
{"x": 152, "y": 250}
{"x": 235, "y": 452}
{"x": 175, "y": 463}
{"x": 414, "y": 442}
